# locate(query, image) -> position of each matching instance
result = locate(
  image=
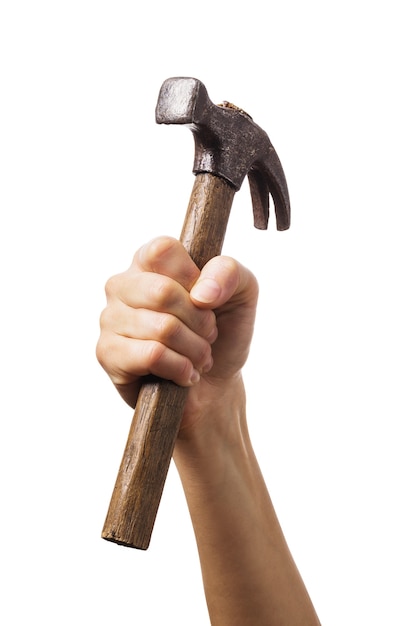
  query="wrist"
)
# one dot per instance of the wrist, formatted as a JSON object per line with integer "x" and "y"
{"x": 217, "y": 437}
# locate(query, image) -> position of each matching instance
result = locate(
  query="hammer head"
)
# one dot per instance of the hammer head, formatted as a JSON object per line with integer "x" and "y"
{"x": 228, "y": 144}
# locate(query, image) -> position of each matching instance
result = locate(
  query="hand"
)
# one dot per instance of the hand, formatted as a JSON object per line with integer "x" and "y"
{"x": 165, "y": 317}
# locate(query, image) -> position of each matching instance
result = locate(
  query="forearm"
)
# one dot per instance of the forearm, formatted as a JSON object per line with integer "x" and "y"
{"x": 248, "y": 573}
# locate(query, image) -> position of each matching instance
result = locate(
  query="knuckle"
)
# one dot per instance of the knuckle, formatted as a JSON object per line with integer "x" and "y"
{"x": 206, "y": 322}
{"x": 106, "y": 318}
{"x": 156, "y": 352}
{"x": 167, "y": 364}
{"x": 229, "y": 263}
{"x": 168, "y": 327}
{"x": 111, "y": 286}
{"x": 231, "y": 269}
{"x": 161, "y": 292}
{"x": 103, "y": 350}
{"x": 149, "y": 254}
{"x": 160, "y": 245}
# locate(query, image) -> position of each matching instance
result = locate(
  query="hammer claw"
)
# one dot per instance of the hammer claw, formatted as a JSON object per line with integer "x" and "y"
{"x": 278, "y": 189}
{"x": 260, "y": 199}
{"x": 263, "y": 183}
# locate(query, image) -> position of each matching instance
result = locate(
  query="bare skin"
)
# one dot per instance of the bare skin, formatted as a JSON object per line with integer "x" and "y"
{"x": 165, "y": 317}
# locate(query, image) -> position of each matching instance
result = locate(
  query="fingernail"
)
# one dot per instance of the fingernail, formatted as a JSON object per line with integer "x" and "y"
{"x": 208, "y": 366}
{"x": 195, "y": 377}
{"x": 206, "y": 290}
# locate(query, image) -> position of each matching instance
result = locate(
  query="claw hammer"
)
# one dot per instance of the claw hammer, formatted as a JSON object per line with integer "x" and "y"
{"x": 228, "y": 147}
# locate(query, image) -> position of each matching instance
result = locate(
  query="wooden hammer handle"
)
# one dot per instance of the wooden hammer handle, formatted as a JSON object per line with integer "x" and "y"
{"x": 160, "y": 405}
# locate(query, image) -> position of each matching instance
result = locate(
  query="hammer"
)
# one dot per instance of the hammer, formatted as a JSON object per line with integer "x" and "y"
{"x": 228, "y": 147}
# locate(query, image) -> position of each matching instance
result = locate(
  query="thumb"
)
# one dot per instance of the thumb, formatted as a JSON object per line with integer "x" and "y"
{"x": 221, "y": 279}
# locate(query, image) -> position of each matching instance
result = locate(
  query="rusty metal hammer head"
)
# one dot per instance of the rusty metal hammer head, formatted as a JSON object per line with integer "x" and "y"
{"x": 228, "y": 144}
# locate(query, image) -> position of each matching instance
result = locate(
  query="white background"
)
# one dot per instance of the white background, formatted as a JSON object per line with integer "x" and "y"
{"x": 87, "y": 176}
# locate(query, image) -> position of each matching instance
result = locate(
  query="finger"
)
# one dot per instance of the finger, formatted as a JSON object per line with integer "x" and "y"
{"x": 221, "y": 280}
{"x": 164, "y": 328}
{"x": 167, "y": 256}
{"x": 153, "y": 292}
{"x": 126, "y": 360}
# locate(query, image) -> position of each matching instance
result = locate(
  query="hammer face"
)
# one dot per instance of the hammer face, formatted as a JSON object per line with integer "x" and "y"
{"x": 177, "y": 101}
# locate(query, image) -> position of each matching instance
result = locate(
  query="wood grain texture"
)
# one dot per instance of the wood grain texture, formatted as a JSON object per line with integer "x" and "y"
{"x": 143, "y": 470}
